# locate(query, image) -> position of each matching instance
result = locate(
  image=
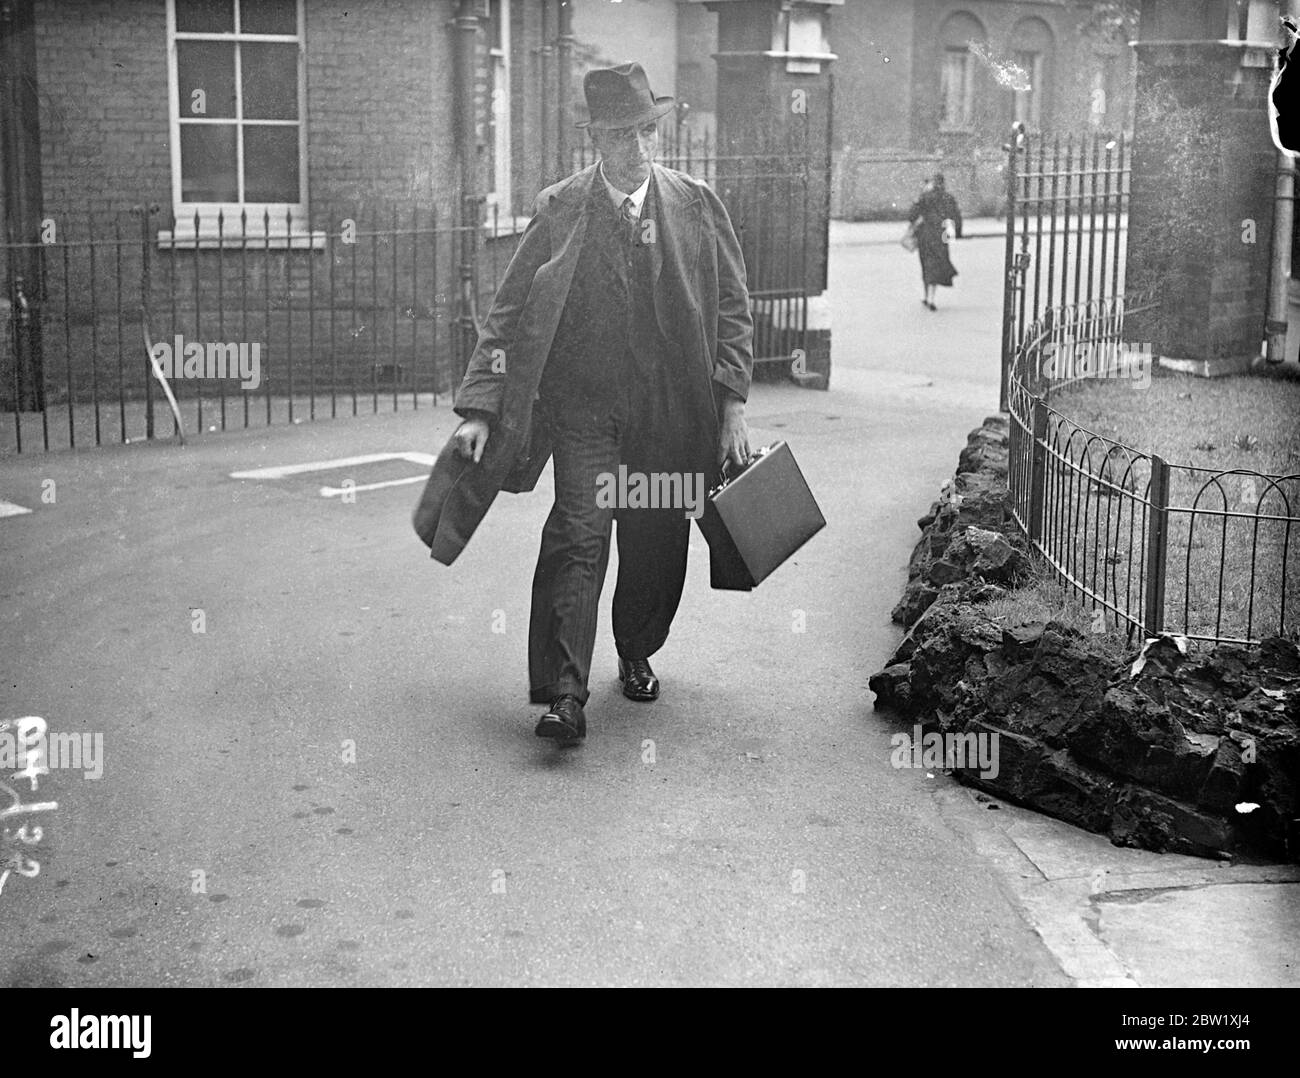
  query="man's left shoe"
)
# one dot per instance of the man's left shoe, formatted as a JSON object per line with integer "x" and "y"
{"x": 639, "y": 681}
{"x": 566, "y": 722}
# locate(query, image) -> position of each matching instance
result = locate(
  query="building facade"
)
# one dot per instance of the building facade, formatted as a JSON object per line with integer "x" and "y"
{"x": 935, "y": 85}
{"x": 306, "y": 171}
{"x": 340, "y": 183}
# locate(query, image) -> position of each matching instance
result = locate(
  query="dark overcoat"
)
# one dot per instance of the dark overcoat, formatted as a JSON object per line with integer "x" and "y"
{"x": 701, "y": 303}
{"x": 928, "y": 214}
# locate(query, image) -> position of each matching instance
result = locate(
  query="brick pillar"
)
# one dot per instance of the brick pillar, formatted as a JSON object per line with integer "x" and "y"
{"x": 774, "y": 98}
{"x": 1201, "y": 213}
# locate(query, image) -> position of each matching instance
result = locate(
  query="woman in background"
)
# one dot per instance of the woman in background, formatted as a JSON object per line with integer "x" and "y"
{"x": 935, "y": 219}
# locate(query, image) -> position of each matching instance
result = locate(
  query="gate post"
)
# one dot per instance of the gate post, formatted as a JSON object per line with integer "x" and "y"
{"x": 1153, "y": 607}
{"x": 1008, "y": 261}
{"x": 774, "y": 109}
{"x": 1037, "y": 470}
{"x": 1211, "y": 68}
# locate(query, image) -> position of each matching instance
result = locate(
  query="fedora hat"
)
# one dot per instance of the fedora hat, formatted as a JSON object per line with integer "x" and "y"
{"x": 620, "y": 97}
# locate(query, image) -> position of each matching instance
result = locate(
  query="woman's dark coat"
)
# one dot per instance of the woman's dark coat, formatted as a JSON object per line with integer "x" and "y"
{"x": 933, "y": 208}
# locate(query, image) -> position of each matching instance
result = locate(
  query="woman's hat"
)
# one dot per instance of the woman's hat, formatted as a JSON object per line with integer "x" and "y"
{"x": 620, "y": 97}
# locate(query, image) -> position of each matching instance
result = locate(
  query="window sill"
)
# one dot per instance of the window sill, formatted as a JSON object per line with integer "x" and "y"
{"x": 504, "y": 226}
{"x": 186, "y": 239}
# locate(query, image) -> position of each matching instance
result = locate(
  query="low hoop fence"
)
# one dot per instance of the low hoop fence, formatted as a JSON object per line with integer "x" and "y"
{"x": 1153, "y": 546}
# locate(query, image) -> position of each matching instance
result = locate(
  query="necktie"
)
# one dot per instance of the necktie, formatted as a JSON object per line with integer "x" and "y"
{"x": 630, "y": 219}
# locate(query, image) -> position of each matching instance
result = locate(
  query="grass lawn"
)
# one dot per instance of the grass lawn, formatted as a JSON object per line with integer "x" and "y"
{"x": 1235, "y": 576}
{"x": 1042, "y": 597}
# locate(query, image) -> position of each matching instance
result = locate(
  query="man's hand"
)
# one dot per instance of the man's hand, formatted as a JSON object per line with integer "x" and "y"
{"x": 471, "y": 439}
{"x": 733, "y": 437}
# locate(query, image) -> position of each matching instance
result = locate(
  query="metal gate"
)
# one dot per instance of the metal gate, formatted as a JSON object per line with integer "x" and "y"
{"x": 1067, "y": 222}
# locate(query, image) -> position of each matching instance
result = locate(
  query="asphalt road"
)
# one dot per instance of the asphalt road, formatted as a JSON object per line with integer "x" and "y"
{"x": 336, "y": 782}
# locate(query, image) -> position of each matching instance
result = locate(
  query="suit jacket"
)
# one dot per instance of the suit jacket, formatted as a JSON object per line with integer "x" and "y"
{"x": 701, "y": 303}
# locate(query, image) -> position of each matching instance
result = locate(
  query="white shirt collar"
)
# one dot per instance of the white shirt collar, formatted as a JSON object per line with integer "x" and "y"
{"x": 616, "y": 196}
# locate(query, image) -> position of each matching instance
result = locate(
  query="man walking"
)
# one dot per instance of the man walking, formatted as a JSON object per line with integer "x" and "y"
{"x": 620, "y": 335}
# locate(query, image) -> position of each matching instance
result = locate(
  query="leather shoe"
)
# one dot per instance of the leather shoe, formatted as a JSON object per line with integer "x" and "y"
{"x": 566, "y": 720}
{"x": 639, "y": 681}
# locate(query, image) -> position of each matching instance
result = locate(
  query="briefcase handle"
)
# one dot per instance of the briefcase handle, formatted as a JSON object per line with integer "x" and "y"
{"x": 726, "y": 467}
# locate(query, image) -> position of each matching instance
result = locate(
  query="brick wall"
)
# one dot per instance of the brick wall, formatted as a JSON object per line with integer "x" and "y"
{"x": 103, "y": 78}
{"x": 873, "y": 75}
{"x": 379, "y": 102}
{"x": 380, "y": 134}
{"x": 882, "y": 185}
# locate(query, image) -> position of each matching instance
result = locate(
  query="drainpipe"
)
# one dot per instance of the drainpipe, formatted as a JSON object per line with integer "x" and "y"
{"x": 546, "y": 66}
{"x": 466, "y": 30}
{"x": 466, "y": 25}
{"x": 564, "y": 127}
{"x": 1279, "y": 273}
{"x": 20, "y": 215}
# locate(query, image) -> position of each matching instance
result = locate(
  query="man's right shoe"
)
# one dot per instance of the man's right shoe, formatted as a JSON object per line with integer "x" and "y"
{"x": 638, "y": 680}
{"x": 565, "y": 721}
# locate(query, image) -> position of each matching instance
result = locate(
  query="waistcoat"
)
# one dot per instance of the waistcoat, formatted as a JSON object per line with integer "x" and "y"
{"x": 608, "y": 337}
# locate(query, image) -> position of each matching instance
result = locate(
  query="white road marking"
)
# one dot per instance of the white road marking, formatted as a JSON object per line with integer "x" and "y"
{"x": 331, "y": 492}
{"x": 427, "y": 459}
{"x": 8, "y": 509}
{"x": 280, "y": 472}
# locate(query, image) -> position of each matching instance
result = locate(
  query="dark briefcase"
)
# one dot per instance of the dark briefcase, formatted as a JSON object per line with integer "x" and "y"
{"x": 755, "y": 520}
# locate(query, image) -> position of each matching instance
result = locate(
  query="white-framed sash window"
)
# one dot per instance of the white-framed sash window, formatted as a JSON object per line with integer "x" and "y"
{"x": 498, "y": 143}
{"x": 957, "y": 90}
{"x": 961, "y": 36}
{"x": 1029, "y": 103}
{"x": 237, "y": 114}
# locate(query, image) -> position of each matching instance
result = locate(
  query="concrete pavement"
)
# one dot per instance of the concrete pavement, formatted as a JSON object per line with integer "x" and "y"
{"x": 336, "y": 781}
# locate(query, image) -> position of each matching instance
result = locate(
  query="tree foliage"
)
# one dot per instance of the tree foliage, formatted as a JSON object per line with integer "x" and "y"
{"x": 1111, "y": 18}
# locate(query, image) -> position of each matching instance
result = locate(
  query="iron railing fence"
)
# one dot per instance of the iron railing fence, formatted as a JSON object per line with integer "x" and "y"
{"x": 1154, "y": 547}
{"x": 354, "y": 309}
{"x": 359, "y": 308}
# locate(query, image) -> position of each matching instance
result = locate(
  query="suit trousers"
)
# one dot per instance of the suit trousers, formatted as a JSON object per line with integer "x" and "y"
{"x": 652, "y": 543}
